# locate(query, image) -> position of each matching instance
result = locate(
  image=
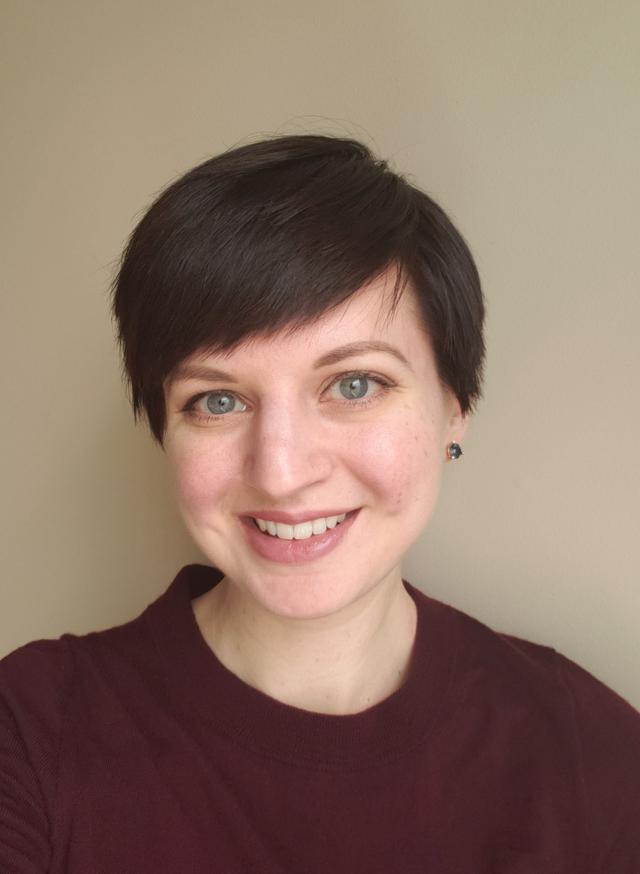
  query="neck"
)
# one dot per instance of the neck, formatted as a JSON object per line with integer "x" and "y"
{"x": 336, "y": 664}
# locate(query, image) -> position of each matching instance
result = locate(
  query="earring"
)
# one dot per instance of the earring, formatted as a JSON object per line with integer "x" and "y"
{"x": 454, "y": 451}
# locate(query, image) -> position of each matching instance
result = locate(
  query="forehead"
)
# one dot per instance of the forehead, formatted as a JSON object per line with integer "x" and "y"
{"x": 369, "y": 317}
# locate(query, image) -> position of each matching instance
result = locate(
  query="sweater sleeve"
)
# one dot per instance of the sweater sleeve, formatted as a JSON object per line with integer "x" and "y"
{"x": 608, "y": 737}
{"x": 33, "y": 681}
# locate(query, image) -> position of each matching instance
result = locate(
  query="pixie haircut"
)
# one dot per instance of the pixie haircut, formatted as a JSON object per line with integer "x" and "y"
{"x": 274, "y": 234}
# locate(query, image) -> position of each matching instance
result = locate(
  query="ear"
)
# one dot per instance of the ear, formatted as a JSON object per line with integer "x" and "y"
{"x": 458, "y": 421}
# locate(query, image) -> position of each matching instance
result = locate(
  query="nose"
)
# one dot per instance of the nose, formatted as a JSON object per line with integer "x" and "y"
{"x": 288, "y": 452}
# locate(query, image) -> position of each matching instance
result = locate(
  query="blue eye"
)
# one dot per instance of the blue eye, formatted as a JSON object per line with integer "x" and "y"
{"x": 354, "y": 387}
{"x": 356, "y": 390}
{"x": 210, "y": 406}
{"x": 359, "y": 388}
{"x": 219, "y": 402}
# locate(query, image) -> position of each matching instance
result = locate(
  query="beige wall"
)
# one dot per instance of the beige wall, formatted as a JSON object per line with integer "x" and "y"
{"x": 522, "y": 118}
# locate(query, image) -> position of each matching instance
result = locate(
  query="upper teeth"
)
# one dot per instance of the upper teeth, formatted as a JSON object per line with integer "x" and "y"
{"x": 301, "y": 531}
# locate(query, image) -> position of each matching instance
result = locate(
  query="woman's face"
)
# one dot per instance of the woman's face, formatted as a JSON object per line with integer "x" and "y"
{"x": 343, "y": 418}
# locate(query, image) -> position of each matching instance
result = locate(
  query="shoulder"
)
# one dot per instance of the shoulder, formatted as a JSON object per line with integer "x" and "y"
{"x": 501, "y": 663}
{"x": 39, "y": 683}
{"x": 39, "y": 680}
{"x": 512, "y": 660}
{"x": 48, "y": 687}
{"x": 510, "y": 672}
{"x": 44, "y": 680}
{"x": 36, "y": 677}
{"x": 545, "y": 694}
{"x": 538, "y": 666}
{"x": 35, "y": 680}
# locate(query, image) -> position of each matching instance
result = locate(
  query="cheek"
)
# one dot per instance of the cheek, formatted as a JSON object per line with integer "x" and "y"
{"x": 202, "y": 474}
{"x": 402, "y": 463}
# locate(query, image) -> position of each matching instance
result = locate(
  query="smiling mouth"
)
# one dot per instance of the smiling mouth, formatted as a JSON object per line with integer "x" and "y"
{"x": 301, "y": 531}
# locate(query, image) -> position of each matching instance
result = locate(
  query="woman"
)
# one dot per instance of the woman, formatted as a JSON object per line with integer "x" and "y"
{"x": 303, "y": 330}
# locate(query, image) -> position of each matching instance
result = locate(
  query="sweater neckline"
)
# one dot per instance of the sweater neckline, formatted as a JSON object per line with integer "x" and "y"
{"x": 383, "y": 732}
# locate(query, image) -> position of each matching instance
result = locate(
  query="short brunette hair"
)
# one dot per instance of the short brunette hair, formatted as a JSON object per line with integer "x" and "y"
{"x": 274, "y": 234}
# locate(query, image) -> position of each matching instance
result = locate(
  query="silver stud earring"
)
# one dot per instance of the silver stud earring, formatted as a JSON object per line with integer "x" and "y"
{"x": 454, "y": 451}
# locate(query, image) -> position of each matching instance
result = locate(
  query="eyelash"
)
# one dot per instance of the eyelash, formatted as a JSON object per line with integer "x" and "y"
{"x": 384, "y": 386}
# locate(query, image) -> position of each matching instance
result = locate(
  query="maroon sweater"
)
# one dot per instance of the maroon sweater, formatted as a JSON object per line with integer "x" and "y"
{"x": 135, "y": 750}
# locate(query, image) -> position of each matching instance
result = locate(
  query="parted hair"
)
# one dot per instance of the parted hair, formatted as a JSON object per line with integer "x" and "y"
{"x": 272, "y": 235}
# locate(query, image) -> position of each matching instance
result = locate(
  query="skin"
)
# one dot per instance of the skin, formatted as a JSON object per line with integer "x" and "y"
{"x": 333, "y": 634}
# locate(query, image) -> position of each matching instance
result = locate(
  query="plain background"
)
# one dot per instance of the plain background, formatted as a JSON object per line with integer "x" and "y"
{"x": 521, "y": 118}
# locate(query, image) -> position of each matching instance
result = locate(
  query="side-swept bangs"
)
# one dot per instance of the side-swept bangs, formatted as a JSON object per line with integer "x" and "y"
{"x": 274, "y": 234}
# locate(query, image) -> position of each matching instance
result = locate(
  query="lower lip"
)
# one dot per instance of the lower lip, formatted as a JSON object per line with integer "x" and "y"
{"x": 296, "y": 551}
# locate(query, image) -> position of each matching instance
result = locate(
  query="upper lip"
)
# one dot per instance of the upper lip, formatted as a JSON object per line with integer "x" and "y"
{"x": 296, "y": 518}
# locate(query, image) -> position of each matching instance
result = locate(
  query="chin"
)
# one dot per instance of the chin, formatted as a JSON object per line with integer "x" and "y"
{"x": 305, "y": 593}
{"x": 309, "y": 589}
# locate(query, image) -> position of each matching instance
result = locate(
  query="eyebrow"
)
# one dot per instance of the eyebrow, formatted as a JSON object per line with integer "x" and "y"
{"x": 203, "y": 372}
{"x": 360, "y": 348}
